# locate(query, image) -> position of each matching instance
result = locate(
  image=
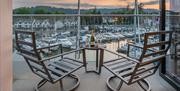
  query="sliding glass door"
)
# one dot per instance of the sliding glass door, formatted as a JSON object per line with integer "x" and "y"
{"x": 170, "y": 69}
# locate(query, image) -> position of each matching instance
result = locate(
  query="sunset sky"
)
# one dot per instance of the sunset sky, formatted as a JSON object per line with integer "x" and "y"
{"x": 86, "y": 4}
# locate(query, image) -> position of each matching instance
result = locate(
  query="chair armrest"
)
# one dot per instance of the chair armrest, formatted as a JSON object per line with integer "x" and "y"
{"x": 131, "y": 44}
{"x": 138, "y": 46}
{"x": 121, "y": 55}
{"x": 60, "y": 55}
{"x": 47, "y": 47}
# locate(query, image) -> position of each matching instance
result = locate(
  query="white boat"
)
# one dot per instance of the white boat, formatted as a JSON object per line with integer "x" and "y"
{"x": 65, "y": 42}
{"x": 119, "y": 35}
{"x": 100, "y": 37}
{"x": 72, "y": 39}
{"x": 107, "y": 36}
{"x": 122, "y": 49}
{"x": 113, "y": 36}
{"x": 129, "y": 34}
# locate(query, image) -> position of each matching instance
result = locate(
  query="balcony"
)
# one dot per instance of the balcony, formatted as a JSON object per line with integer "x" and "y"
{"x": 23, "y": 80}
{"x": 108, "y": 28}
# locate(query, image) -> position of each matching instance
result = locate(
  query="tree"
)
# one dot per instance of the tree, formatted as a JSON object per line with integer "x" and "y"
{"x": 122, "y": 19}
{"x": 89, "y": 20}
{"x": 22, "y": 10}
{"x": 128, "y": 7}
{"x": 94, "y": 10}
{"x": 37, "y": 10}
{"x": 40, "y": 11}
{"x": 58, "y": 12}
{"x": 140, "y": 8}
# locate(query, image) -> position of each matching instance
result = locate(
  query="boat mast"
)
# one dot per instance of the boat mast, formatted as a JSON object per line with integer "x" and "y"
{"x": 78, "y": 30}
{"x": 136, "y": 21}
{"x": 135, "y": 18}
{"x": 79, "y": 21}
{"x": 139, "y": 33}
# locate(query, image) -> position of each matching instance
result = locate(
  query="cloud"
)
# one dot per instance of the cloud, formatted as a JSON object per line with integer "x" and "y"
{"x": 65, "y": 5}
{"x": 84, "y": 3}
{"x": 151, "y": 2}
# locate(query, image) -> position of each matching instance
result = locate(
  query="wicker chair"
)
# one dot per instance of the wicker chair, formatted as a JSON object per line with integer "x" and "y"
{"x": 130, "y": 70}
{"x": 51, "y": 69}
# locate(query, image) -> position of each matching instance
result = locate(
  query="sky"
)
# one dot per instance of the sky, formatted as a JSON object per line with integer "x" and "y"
{"x": 86, "y": 4}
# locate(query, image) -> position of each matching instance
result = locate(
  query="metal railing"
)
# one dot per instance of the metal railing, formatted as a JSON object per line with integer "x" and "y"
{"x": 105, "y": 25}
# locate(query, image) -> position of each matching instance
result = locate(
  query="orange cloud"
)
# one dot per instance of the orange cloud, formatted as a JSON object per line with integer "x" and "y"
{"x": 153, "y": 4}
{"x": 156, "y": 6}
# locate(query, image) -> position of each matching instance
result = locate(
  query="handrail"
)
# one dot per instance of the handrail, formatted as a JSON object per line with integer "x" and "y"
{"x": 141, "y": 15}
{"x": 122, "y": 55}
{"x": 59, "y": 55}
{"x": 85, "y": 15}
{"x": 41, "y": 48}
{"x": 141, "y": 47}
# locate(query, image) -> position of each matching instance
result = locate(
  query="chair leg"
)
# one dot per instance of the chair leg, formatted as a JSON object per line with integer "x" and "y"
{"x": 147, "y": 88}
{"x": 72, "y": 88}
{"x": 40, "y": 84}
{"x": 77, "y": 83}
{"x": 120, "y": 85}
{"x": 110, "y": 87}
{"x": 61, "y": 84}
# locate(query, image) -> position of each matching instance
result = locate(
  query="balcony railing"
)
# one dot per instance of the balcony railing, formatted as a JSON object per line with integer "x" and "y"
{"x": 107, "y": 27}
{"x": 113, "y": 31}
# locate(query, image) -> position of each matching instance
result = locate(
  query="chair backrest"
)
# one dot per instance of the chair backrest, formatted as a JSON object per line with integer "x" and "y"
{"x": 26, "y": 45}
{"x": 154, "y": 50}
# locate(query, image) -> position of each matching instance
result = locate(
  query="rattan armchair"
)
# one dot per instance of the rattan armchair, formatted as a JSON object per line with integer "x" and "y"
{"x": 51, "y": 69}
{"x": 132, "y": 70}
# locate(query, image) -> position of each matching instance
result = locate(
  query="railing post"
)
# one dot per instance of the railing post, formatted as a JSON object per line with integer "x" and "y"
{"x": 84, "y": 58}
{"x": 31, "y": 23}
{"x": 162, "y": 28}
{"x": 78, "y": 32}
{"x": 101, "y": 59}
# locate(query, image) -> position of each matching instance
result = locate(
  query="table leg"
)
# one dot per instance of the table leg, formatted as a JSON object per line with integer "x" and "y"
{"x": 97, "y": 59}
{"x": 101, "y": 59}
{"x": 84, "y": 59}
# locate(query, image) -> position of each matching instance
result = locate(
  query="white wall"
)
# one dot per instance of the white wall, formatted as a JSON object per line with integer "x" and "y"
{"x": 5, "y": 45}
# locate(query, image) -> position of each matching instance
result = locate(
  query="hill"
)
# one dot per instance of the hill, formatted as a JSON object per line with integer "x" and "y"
{"x": 54, "y": 10}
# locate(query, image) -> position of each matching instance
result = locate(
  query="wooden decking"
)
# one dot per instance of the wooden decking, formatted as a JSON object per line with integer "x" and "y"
{"x": 25, "y": 80}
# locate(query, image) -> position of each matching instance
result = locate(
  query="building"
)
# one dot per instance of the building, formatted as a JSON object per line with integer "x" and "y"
{"x": 6, "y": 68}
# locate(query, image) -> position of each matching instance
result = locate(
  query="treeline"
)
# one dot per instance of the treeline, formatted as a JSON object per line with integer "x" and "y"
{"x": 88, "y": 20}
{"x": 54, "y": 10}
{"x": 36, "y": 10}
{"x": 92, "y": 20}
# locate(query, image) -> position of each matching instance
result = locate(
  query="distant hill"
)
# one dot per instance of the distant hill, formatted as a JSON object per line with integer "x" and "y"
{"x": 54, "y": 10}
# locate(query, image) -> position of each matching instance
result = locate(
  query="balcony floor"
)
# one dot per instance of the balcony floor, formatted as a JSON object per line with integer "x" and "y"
{"x": 25, "y": 80}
